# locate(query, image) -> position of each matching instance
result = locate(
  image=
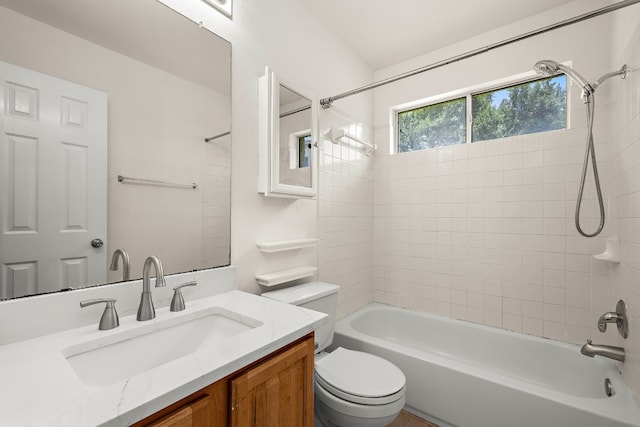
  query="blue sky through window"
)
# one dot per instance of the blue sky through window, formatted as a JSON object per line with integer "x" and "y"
{"x": 501, "y": 95}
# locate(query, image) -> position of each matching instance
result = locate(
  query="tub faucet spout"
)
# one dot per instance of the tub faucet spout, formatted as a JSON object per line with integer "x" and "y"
{"x": 615, "y": 353}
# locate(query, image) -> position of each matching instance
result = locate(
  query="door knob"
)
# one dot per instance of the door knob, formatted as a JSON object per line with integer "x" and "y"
{"x": 97, "y": 243}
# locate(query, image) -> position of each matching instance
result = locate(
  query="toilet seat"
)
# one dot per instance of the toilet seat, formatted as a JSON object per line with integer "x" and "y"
{"x": 359, "y": 377}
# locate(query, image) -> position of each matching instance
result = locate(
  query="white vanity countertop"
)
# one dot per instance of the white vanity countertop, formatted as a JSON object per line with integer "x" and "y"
{"x": 39, "y": 388}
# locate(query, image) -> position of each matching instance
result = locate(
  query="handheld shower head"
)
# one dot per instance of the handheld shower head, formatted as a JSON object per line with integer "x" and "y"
{"x": 547, "y": 68}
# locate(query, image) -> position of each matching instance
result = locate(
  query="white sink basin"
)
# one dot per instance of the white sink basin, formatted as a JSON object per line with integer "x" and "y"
{"x": 118, "y": 356}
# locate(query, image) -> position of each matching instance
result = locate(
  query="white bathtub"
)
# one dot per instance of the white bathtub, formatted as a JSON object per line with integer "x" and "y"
{"x": 468, "y": 375}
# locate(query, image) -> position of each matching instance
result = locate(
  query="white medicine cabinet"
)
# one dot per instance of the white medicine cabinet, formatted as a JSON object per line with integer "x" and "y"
{"x": 287, "y": 135}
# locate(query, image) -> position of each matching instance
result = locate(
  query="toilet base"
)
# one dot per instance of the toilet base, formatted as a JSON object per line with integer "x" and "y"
{"x": 357, "y": 416}
{"x": 341, "y": 420}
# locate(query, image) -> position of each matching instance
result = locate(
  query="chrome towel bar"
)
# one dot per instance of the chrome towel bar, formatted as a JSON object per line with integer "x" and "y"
{"x": 127, "y": 179}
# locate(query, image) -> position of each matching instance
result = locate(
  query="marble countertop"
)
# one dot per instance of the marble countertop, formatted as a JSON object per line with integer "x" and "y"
{"x": 39, "y": 387}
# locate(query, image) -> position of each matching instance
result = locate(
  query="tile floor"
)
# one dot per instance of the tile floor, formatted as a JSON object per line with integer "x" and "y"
{"x": 405, "y": 419}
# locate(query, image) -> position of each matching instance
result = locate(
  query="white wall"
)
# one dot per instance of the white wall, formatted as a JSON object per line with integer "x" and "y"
{"x": 281, "y": 34}
{"x": 484, "y": 232}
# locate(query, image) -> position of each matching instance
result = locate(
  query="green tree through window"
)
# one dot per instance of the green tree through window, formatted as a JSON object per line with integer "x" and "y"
{"x": 531, "y": 107}
{"x": 432, "y": 126}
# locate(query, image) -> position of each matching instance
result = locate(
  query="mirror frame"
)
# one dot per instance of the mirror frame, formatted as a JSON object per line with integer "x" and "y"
{"x": 269, "y": 141}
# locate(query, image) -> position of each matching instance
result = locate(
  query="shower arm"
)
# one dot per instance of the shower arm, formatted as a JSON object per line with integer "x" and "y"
{"x": 622, "y": 72}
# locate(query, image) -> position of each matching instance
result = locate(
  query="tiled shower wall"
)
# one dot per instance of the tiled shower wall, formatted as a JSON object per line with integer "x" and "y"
{"x": 625, "y": 119}
{"x": 217, "y": 201}
{"x": 484, "y": 232}
{"x": 345, "y": 214}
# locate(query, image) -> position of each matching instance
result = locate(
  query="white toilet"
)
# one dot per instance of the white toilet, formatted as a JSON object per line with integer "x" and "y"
{"x": 352, "y": 388}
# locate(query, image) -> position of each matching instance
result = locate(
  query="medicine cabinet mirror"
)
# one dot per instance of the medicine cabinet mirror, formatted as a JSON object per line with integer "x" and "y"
{"x": 287, "y": 140}
{"x": 164, "y": 84}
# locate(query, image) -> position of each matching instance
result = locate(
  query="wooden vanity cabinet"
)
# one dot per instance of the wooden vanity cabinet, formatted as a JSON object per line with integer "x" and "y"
{"x": 276, "y": 391}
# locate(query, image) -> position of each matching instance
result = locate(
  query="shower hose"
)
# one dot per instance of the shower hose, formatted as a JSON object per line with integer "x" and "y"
{"x": 589, "y": 152}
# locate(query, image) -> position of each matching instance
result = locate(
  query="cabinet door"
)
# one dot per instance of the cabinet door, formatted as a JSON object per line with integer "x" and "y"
{"x": 205, "y": 408}
{"x": 276, "y": 393}
{"x": 192, "y": 415}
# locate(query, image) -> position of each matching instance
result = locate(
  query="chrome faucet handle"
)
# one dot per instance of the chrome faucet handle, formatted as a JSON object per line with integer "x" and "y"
{"x": 608, "y": 317}
{"x": 109, "y": 319}
{"x": 177, "y": 302}
{"x": 619, "y": 317}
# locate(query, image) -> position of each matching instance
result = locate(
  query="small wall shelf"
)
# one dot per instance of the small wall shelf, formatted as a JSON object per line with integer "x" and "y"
{"x": 611, "y": 252}
{"x": 285, "y": 245}
{"x": 283, "y": 276}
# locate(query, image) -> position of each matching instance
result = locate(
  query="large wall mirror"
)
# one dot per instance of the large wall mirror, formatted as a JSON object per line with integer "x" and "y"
{"x": 287, "y": 137}
{"x": 115, "y": 132}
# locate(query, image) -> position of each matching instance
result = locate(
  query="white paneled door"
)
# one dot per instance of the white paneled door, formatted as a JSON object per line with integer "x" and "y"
{"x": 53, "y": 183}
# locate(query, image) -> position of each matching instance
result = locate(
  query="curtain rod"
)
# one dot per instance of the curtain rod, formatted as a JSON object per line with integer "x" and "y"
{"x": 220, "y": 135}
{"x": 297, "y": 110}
{"x": 328, "y": 102}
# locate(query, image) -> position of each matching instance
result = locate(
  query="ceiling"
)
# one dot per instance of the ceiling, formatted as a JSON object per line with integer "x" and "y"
{"x": 384, "y": 33}
{"x": 146, "y": 40}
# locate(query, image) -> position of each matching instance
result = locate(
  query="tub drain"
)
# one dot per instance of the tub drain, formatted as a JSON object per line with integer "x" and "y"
{"x": 608, "y": 390}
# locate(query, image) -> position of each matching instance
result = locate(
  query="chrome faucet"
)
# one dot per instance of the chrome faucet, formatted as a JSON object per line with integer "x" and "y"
{"x": 146, "y": 310}
{"x": 120, "y": 253}
{"x": 616, "y": 353}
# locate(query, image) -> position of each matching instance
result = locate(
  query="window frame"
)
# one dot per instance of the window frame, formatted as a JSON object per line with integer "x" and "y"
{"x": 294, "y": 148}
{"x": 468, "y": 94}
{"x": 304, "y": 147}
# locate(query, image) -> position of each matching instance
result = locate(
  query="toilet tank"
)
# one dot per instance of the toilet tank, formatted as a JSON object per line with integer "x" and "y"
{"x": 318, "y": 296}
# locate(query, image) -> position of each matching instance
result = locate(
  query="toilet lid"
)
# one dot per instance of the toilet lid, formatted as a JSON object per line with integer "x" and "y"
{"x": 359, "y": 377}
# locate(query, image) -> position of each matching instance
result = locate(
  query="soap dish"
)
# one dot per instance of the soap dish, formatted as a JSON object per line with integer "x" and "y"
{"x": 611, "y": 252}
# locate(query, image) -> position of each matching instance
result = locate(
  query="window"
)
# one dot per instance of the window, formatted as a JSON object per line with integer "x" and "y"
{"x": 534, "y": 106}
{"x": 432, "y": 126}
{"x": 304, "y": 151}
{"x": 299, "y": 149}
